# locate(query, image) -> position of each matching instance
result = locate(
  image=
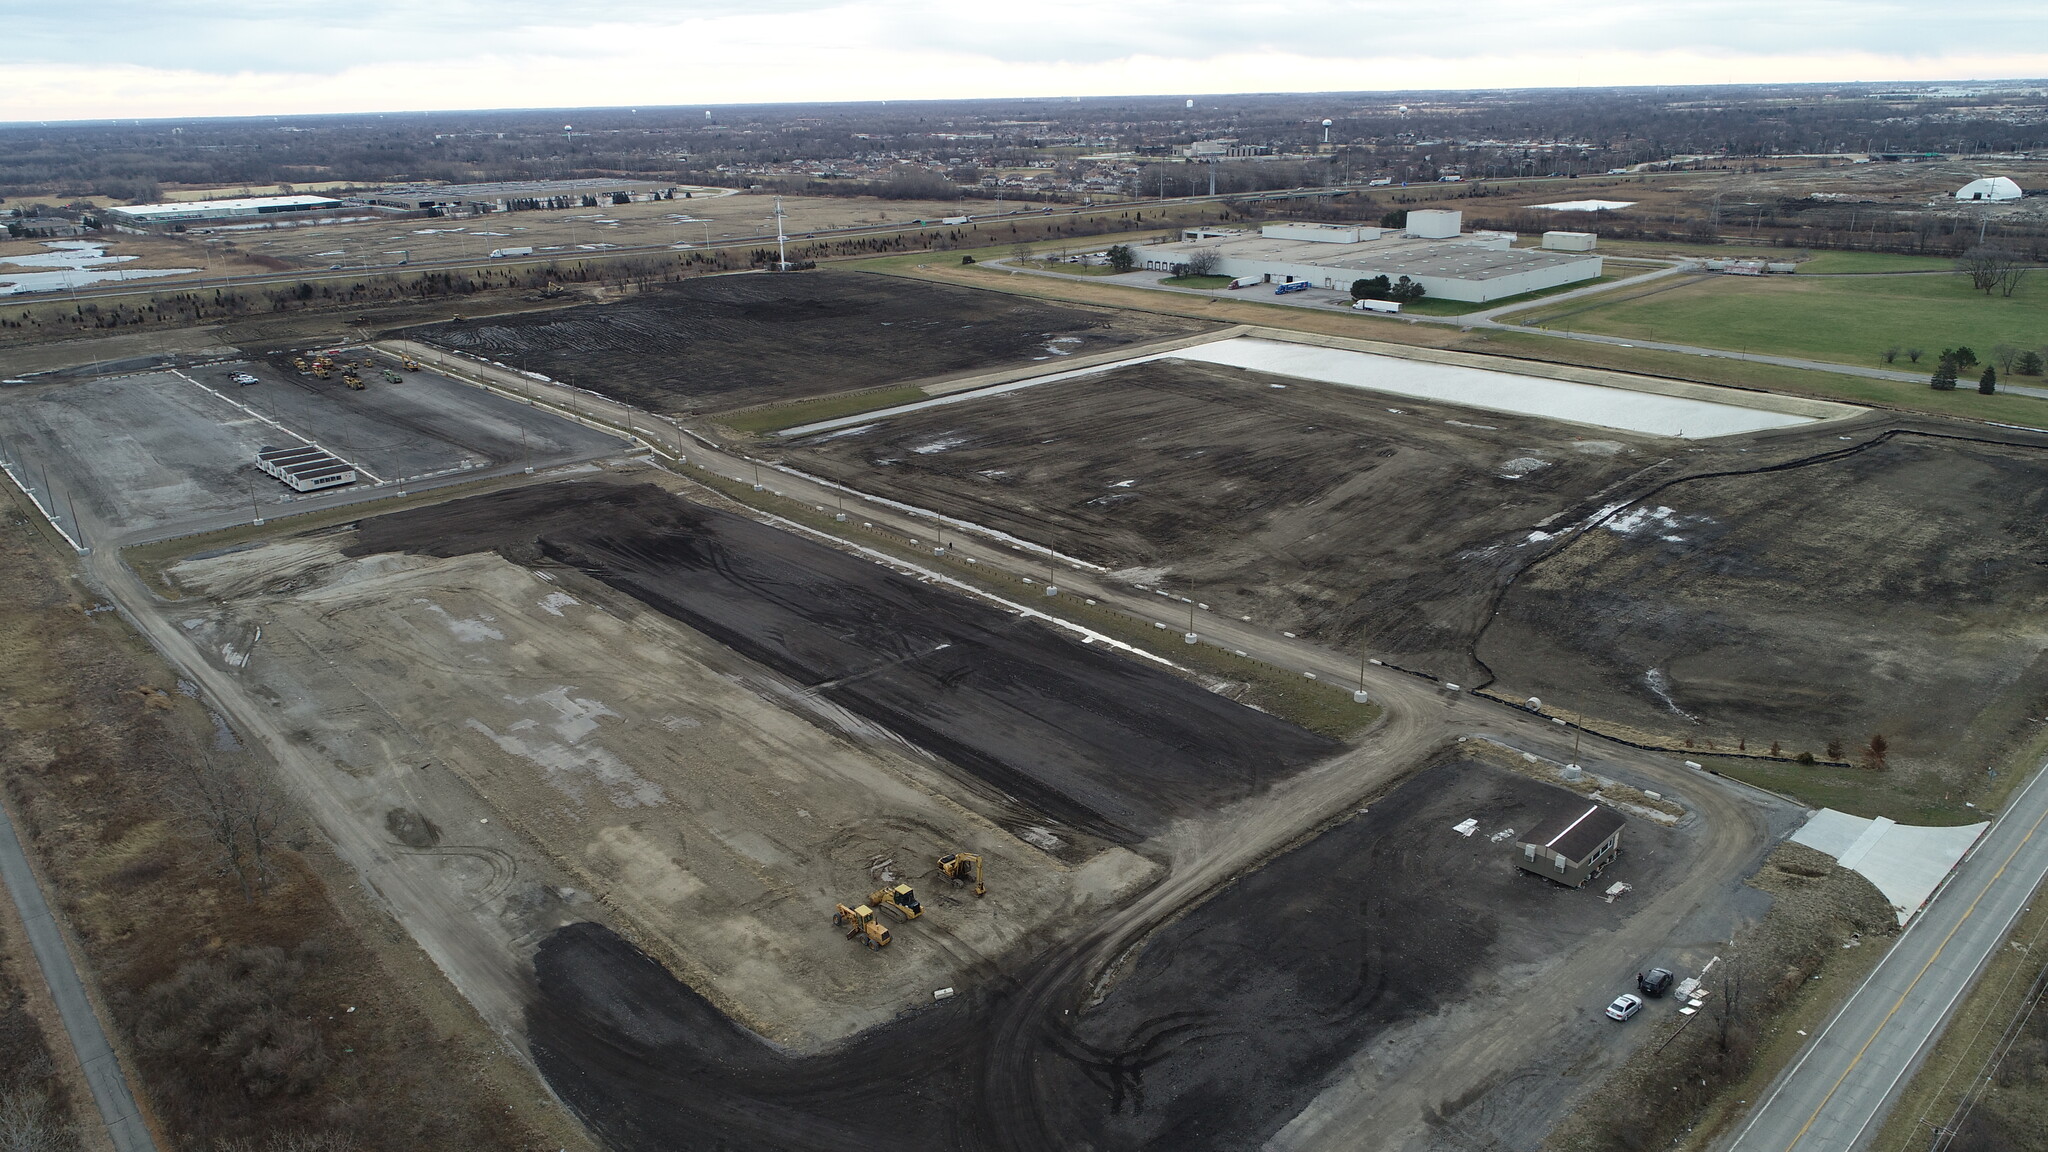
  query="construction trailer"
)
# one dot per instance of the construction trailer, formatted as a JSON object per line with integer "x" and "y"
{"x": 306, "y": 468}
{"x": 1572, "y": 846}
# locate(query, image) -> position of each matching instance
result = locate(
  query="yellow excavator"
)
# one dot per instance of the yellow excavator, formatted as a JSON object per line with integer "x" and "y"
{"x": 861, "y": 925}
{"x": 411, "y": 365}
{"x": 959, "y": 866}
{"x": 898, "y": 901}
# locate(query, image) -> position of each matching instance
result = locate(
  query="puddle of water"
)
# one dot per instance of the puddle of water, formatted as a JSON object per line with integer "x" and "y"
{"x": 77, "y": 263}
{"x": 1645, "y": 412}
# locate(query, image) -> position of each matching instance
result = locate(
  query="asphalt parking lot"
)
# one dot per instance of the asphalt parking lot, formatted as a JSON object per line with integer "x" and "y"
{"x": 137, "y": 453}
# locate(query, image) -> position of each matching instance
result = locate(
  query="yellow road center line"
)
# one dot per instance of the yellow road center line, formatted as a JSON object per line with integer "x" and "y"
{"x": 1900, "y": 1003}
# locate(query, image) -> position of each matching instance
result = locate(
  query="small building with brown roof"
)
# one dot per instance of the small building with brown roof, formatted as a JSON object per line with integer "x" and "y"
{"x": 1572, "y": 846}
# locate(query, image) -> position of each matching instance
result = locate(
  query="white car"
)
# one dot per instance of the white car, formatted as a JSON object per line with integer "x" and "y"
{"x": 1625, "y": 1005}
{"x": 244, "y": 378}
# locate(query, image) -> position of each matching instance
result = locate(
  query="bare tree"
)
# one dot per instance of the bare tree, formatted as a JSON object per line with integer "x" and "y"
{"x": 2004, "y": 355}
{"x": 237, "y": 810}
{"x": 1203, "y": 262}
{"x": 30, "y": 1123}
{"x": 1993, "y": 269}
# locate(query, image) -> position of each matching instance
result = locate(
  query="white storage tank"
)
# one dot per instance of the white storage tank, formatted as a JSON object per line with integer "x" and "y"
{"x": 1570, "y": 241}
{"x": 1434, "y": 223}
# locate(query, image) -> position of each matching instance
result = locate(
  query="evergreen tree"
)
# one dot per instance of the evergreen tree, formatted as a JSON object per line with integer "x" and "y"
{"x": 1988, "y": 382}
{"x": 1944, "y": 375}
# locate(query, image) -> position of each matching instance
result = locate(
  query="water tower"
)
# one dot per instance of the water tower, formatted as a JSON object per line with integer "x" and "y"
{"x": 1326, "y": 130}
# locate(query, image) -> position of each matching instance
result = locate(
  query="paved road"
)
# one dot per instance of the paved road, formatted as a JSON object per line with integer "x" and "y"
{"x": 102, "y": 1071}
{"x": 1836, "y": 1096}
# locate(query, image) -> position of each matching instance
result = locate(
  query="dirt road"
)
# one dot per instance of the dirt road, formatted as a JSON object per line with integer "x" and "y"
{"x": 603, "y": 1005}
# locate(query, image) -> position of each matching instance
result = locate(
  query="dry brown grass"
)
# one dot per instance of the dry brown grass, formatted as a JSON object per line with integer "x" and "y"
{"x": 175, "y": 949}
{"x": 1827, "y": 926}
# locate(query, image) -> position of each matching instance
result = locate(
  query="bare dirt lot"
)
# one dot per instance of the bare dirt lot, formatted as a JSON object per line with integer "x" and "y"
{"x": 1225, "y": 1025}
{"x": 536, "y": 749}
{"x": 714, "y": 214}
{"x": 1897, "y": 589}
{"x": 1313, "y": 508}
{"x": 156, "y": 449}
{"x": 726, "y": 342}
{"x": 1046, "y": 724}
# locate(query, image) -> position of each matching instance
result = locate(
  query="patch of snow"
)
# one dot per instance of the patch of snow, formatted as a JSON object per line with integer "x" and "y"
{"x": 554, "y": 602}
{"x": 473, "y": 631}
{"x": 1521, "y": 466}
{"x": 940, "y": 445}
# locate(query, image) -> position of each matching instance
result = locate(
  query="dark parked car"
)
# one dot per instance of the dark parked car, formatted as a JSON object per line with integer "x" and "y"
{"x": 1654, "y": 983}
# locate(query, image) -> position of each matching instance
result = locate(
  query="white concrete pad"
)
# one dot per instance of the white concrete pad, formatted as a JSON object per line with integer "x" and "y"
{"x": 1906, "y": 862}
{"x": 1632, "y": 411}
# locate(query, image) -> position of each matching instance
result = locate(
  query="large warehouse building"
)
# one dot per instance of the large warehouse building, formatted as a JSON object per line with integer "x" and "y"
{"x": 205, "y": 211}
{"x": 1433, "y": 250}
{"x": 513, "y": 196}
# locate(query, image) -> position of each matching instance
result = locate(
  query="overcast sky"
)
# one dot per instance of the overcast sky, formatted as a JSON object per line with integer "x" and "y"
{"x": 131, "y": 58}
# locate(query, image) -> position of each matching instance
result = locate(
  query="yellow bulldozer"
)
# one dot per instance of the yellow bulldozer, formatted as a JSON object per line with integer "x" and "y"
{"x": 349, "y": 377}
{"x": 861, "y": 925}
{"x": 898, "y": 901}
{"x": 411, "y": 365}
{"x": 960, "y": 867}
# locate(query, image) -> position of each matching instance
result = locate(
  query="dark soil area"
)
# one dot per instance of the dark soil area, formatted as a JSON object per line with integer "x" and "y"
{"x": 1321, "y": 510}
{"x": 1092, "y": 740}
{"x": 724, "y": 342}
{"x": 1901, "y": 589}
{"x": 1223, "y": 1027}
{"x": 1234, "y": 1016}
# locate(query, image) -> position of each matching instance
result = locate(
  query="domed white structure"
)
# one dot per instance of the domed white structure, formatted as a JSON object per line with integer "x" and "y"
{"x": 1989, "y": 188}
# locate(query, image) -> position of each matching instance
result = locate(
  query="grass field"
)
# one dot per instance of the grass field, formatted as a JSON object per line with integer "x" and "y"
{"x": 1847, "y": 321}
{"x": 1065, "y": 269}
{"x": 1233, "y": 309}
{"x": 1836, "y": 262}
{"x": 779, "y": 416}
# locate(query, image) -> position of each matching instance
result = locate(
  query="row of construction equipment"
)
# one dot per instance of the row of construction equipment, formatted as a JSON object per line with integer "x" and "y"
{"x": 323, "y": 365}
{"x": 863, "y": 923}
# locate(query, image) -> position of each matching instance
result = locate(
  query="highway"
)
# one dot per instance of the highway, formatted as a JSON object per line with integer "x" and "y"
{"x": 1835, "y": 1097}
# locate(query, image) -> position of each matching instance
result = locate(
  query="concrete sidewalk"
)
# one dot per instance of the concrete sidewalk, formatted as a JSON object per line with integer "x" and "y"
{"x": 102, "y": 1070}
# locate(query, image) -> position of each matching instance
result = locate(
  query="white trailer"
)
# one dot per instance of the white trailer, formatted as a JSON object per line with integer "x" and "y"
{"x": 1377, "y": 305}
{"x": 501, "y": 253}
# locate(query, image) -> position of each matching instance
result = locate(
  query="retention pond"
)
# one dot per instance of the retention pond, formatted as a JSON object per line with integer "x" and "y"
{"x": 1625, "y": 409}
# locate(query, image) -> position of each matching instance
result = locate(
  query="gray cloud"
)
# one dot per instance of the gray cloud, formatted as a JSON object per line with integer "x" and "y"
{"x": 228, "y": 37}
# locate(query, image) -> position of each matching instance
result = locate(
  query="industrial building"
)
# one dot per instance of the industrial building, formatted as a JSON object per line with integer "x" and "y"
{"x": 518, "y": 195}
{"x": 306, "y": 468}
{"x": 1572, "y": 846}
{"x": 1990, "y": 188}
{"x": 187, "y": 212}
{"x": 1431, "y": 250}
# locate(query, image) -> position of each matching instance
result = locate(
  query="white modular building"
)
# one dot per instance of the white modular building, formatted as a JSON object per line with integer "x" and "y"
{"x": 1448, "y": 263}
{"x": 306, "y": 468}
